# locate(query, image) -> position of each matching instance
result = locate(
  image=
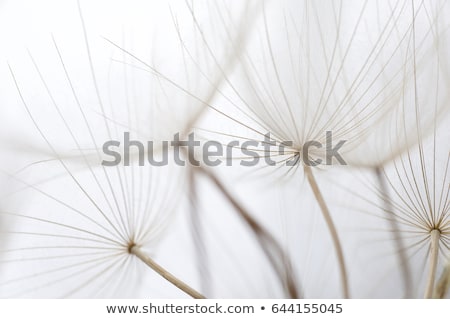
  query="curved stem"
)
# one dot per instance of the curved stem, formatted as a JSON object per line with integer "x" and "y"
{"x": 435, "y": 235}
{"x": 265, "y": 239}
{"x": 135, "y": 250}
{"x": 334, "y": 235}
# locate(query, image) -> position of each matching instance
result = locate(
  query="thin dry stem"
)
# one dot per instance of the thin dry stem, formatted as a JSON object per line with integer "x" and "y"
{"x": 334, "y": 235}
{"x": 267, "y": 242}
{"x": 135, "y": 250}
{"x": 435, "y": 235}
